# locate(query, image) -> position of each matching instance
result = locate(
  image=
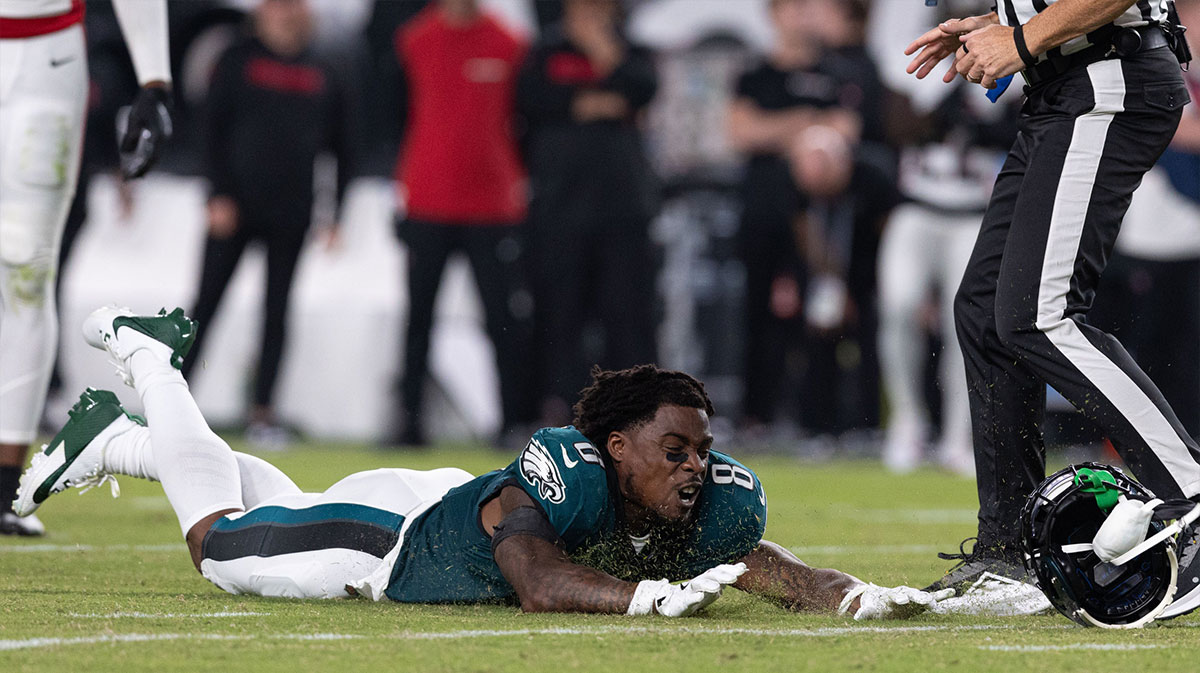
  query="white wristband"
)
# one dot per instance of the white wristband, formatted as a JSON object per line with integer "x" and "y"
{"x": 857, "y": 591}
{"x": 645, "y": 595}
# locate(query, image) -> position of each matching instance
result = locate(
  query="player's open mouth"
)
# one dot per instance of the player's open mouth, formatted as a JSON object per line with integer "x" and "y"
{"x": 689, "y": 493}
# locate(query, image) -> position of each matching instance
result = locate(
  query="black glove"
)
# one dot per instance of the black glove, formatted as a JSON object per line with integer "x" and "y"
{"x": 146, "y": 127}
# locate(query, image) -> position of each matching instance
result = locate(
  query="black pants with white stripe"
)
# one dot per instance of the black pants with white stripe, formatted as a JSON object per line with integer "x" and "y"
{"x": 1086, "y": 139}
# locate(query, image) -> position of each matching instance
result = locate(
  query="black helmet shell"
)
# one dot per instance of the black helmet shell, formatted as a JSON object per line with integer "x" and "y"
{"x": 1082, "y": 587}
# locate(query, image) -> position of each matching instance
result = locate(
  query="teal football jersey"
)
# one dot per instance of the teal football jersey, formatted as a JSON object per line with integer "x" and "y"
{"x": 447, "y": 557}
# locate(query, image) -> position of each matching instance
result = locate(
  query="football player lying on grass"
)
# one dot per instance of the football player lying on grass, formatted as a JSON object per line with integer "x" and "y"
{"x": 586, "y": 519}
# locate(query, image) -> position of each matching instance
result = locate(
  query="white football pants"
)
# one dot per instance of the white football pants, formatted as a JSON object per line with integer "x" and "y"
{"x": 314, "y": 545}
{"x": 43, "y": 97}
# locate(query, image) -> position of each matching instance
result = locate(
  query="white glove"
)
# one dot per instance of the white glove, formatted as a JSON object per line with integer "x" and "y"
{"x": 876, "y": 602}
{"x": 1124, "y": 529}
{"x": 688, "y": 598}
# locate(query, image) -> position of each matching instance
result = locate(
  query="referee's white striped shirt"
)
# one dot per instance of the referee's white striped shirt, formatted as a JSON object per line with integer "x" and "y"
{"x": 1140, "y": 13}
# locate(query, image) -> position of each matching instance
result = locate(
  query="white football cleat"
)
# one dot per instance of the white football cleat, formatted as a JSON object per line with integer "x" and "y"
{"x": 29, "y": 526}
{"x": 74, "y": 458}
{"x": 118, "y": 331}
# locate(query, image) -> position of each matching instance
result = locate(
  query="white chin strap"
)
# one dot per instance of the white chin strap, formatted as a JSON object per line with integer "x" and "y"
{"x": 1179, "y": 524}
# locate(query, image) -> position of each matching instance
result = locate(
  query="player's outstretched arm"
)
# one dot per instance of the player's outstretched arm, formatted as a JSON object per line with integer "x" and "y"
{"x": 775, "y": 574}
{"x": 547, "y": 581}
{"x": 530, "y": 556}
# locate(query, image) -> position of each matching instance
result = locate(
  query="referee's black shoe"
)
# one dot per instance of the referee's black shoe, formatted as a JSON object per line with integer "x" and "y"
{"x": 974, "y": 564}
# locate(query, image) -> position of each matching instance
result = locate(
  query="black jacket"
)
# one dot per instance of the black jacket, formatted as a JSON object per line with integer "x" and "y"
{"x": 267, "y": 119}
{"x": 596, "y": 167}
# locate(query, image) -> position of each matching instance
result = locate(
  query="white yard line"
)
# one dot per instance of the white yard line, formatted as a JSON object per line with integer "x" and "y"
{"x": 851, "y": 550}
{"x": 36, "y": 643}
{"x": 910, "y": 516}
{"x": 33, "y": 643}
{"x": 1072, "y": 646}
{"x": 319, "y": 636}
{"x": 117, "y": 638}
{"x": 823, "y": 632}
{"x": 44, "y": 548}
{"x": 165, "y": 615}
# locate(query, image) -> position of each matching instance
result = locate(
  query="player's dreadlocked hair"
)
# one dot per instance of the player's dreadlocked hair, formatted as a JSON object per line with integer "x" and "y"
{"x": 621, "y": 400}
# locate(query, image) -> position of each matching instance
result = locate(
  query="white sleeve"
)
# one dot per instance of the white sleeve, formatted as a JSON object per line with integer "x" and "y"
{"x": 144, "y": 24}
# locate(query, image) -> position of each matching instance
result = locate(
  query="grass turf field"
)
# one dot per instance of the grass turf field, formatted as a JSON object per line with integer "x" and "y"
{"x": 110, "y": 588}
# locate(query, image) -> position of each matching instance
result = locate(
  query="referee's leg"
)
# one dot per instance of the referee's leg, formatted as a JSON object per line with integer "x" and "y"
{"x": 1077, "y": 188}
{"x": 1006, "y": 398}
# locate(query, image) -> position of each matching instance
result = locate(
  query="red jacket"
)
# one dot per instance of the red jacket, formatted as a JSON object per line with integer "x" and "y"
{"x": 459, "y": 162}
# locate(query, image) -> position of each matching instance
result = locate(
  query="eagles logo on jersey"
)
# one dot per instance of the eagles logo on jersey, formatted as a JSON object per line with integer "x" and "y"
{"x": 539, "y": 469}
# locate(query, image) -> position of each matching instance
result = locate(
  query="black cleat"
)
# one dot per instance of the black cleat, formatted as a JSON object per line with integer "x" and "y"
{"x": 29, "y": 526}
{"x": 972, "y": 565}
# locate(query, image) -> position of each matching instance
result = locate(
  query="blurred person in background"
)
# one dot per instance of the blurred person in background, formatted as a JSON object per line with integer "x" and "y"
{"x": 837, "y": 232}
{"x": 774, "y": 102}
{"x": 1149, "y": 297}
{"x": 840, "y": 25}
{"x": 798, "y": 114}
{"x": 955, "y": 146}
{"x": 272, "y": 107}
{"x": 463, "y": 186}
{"x": 384, "y": 111}
{"x": 581, "y": 91}
{"x": 44, "y": 89}
{"x": 841, "y": 233}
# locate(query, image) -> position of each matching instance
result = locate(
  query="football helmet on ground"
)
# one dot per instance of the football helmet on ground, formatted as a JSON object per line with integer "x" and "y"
{"x": 1058, "y": 525}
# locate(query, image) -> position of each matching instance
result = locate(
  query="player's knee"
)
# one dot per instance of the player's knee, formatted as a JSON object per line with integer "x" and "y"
{"x": 26, "y": 278}
{"x": 28, "y": 252}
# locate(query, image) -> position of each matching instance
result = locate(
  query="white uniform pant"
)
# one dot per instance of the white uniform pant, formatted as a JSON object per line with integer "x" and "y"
{"x": 923, "y": 250}
{"x": 314, "y": 545}
{"x": 43, "y": 96}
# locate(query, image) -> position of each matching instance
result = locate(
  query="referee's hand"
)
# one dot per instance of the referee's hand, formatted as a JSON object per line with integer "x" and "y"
{"x": 942, "y": 41}
{"x": 986, "y": 55}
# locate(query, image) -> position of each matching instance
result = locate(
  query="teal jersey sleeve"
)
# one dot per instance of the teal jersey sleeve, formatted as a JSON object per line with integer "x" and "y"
{"x": 732, "y": 515}
{"x": 564, "y": 474}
